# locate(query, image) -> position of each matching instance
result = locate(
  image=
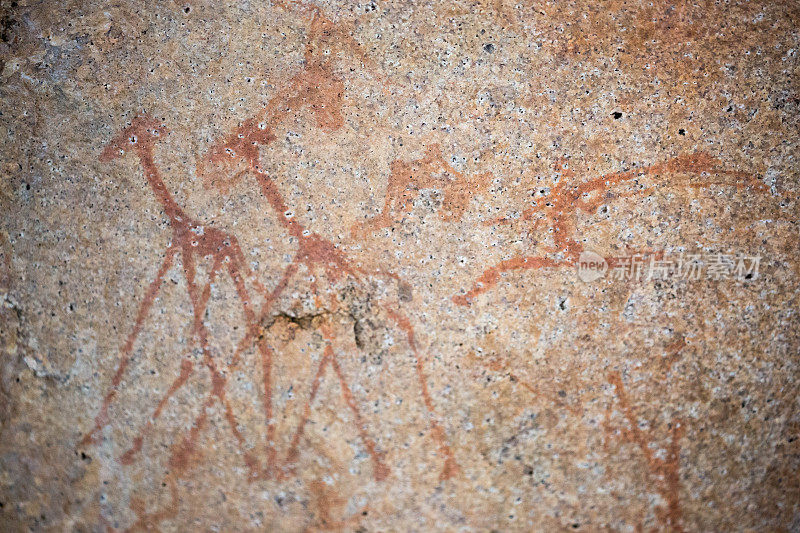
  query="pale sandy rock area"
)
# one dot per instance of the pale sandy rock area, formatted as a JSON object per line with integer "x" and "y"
{"x": 317, "y": 266}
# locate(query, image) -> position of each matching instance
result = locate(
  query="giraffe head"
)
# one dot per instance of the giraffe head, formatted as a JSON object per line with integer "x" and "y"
{"x": 142, "y": 132}
{"x": 226, "y": 161}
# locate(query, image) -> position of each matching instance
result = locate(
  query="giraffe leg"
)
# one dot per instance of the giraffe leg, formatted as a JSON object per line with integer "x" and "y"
{"x": 450, "y": 468}
{"x": 218, "y": 380}
{"x": 186, "y": 371}
{"x": 291, "y": 456}
{"x": 149, "y": 521}
{"x": 380, "y": 469}
{"x": 125, "y": 356}
{"x": 265, "y": 351}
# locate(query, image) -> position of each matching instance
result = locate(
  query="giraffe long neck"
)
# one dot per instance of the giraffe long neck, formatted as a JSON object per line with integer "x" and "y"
{"x": 171, "y": 208}
{"x": 278, "y": 204}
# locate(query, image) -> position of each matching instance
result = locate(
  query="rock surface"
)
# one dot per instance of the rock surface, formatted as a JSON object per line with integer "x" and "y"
{"x": 325, "y": 266}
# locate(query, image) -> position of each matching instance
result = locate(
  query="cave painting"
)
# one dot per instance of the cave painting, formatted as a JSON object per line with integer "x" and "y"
{"x": 554, "y": 211}
{"x": 662, "y": 471}
{"x": 408, "y": 179}
{"x": 317, "y": 91}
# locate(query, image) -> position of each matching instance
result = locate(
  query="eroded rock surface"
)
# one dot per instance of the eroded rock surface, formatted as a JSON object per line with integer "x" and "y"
{"x": 399, "y": 266}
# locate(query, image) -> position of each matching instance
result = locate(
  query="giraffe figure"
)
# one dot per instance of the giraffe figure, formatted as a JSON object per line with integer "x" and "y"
{"x": 193, "y": 242}
{"x": 317, "y": 88}
{"x": 314, "y": 253}
{"x": 320, "y": 90}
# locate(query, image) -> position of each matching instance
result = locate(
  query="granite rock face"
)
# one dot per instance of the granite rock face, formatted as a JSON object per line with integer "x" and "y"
{"x": 399, "y": 266}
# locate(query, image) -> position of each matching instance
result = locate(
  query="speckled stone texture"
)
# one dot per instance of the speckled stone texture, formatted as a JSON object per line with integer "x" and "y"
{"x": 296, "y": 266}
